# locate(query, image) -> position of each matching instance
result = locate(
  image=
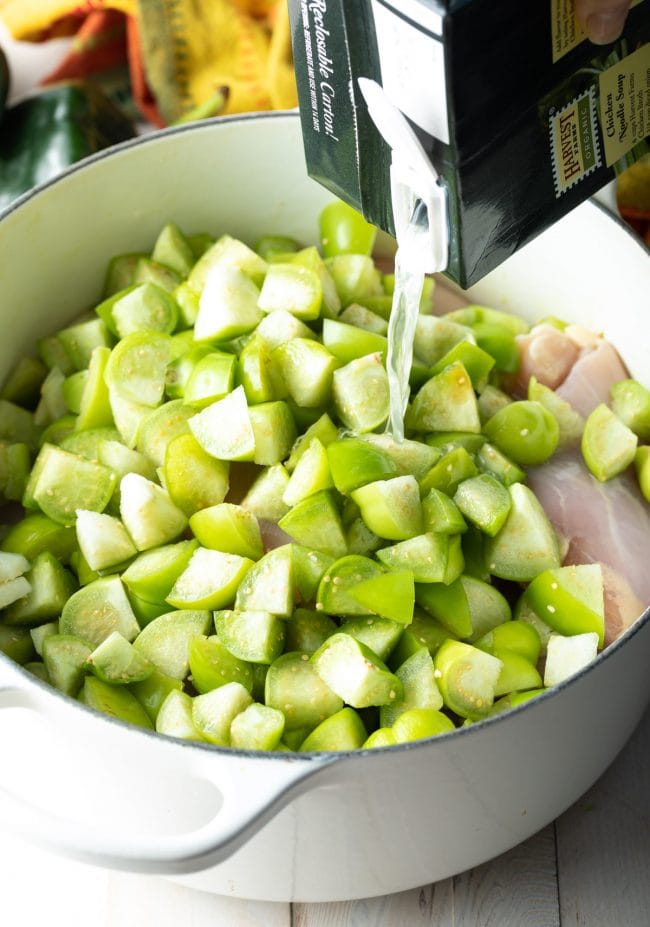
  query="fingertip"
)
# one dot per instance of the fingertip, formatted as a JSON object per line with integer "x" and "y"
{"x": 604, "y": 28}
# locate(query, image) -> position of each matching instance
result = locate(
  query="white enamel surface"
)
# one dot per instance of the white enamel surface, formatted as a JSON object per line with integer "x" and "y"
{"x": 367, "y": 824}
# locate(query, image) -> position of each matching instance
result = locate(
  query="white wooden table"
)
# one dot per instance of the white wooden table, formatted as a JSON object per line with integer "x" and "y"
{"x": 591, "y": 868}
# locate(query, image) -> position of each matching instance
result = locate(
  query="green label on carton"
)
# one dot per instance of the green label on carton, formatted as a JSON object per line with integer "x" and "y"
{"x": 574, "y": 141}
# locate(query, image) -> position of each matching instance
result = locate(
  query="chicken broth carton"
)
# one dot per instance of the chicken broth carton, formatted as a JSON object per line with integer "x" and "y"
{"x": 518, "y": 115}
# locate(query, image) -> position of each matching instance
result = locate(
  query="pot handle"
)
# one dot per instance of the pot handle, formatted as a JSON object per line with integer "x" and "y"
{"x": 252, "y": 792}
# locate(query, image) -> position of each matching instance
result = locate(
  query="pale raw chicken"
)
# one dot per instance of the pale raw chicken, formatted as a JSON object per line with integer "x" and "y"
{"x": 546, "y": 353}
{"x": 591, "y": 378}
{"x": 607, "y": 523}
{"x": 580, "y": 366}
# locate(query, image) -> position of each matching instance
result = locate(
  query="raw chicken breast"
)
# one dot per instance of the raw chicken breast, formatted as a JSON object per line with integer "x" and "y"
{"x": 579, "y": 365}
{"x": 545, "y": 353}
{"x": 607, "y": 523}
{"x": 591, "y": 378}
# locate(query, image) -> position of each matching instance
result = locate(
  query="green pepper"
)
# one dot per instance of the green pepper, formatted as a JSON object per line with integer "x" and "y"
{"x": 46, "y": 133}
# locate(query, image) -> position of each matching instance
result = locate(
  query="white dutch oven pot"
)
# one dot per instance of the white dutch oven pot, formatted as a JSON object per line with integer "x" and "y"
{"x": 283, "y": 826}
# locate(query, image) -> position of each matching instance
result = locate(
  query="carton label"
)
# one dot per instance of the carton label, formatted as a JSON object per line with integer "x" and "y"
{"x": 566, "y": 31}
{"x": 625, "y": 104}
{"x": 575, "y": 150}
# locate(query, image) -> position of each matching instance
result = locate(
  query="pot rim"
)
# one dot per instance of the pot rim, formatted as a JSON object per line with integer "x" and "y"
{"x": 145, "y": 139}
{"x": 235, "y": 753}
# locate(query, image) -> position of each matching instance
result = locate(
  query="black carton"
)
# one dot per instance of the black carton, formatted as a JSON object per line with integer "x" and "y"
{"x": 522, "y": 116}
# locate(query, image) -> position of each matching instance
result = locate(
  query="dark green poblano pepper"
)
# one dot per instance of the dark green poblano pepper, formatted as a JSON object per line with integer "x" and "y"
{"x": 48, "y": 131}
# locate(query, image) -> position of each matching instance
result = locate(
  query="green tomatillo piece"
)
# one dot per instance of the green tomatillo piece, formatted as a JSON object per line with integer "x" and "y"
{"x": 306, "y": 366}
{"x": 608, "y": 445}
{"x": 152, "y": 691}
{"x": 310, "y": 475}
{"x": 269, "y": 584}
{"x": 148, "y": 513}
{"x": 525, "y": 431}
{"x": 175, "y": 717}
{"x": 214, "y": 711}
{"x": 316, "y": 522}
{"x": 194, "y": 479}
{"x": 348, "y": 343}
{"x": 477, "y": 362}
{"x": 391, "y": 508}
{"x": 61, "y": 483}
{"x": 257, "y": 727}
{"x": 420, "y": 723}
{"x": 631, "y": 403}
{"x": 254, "y": 636}
{"x": 360, "y": 393}
{"x": 165, "y": 641}
{"x": 391, "y": 595}
{"x": 96, "y": 610}
{"x": 151, "y": 575}
{"x": 295, "y": 688}
{"x": 343, "y": 230}
{"x": 224, "y": 428}
{"x": 228, "y": 528}
{"x": 137, "y": 367}
{"x": 467, "y": 678}
{"x": 566, "y": 656}
{"x": 446, "y": 402}
{"x": 115, "y": 701}
{"x": 467, "y": 607}
{"x": 379, "y": 634}
{"x": 211, "y": 579}
{"x": 307, "y": 629}
{"x": 41, "y": 592}
{"x": 409, "y": 457}
{"x": 570, "y": 422}
{"x": 484, "y": 501}
{"x": 342, "y": 731}
{"x": 430, "y": 557}
{"x": 516, "y": 636}
{"x": 292, "y": 287}
{"x": 213, "y": 665}
{"x": 117, "y": 661}
{"x": 355, "y": 277}
{"x": 353, "y": 672}
{"x": 354, "y": 462}
{"x": 527, "y": 544}
{"x": 418, "y": 677}
{"x": 103, "y": 540}
{"x": 65, "y": 659}
{"x": 570, "y": 599}
{"x": 449, "y": 472}
{"x": 227, "y": 305}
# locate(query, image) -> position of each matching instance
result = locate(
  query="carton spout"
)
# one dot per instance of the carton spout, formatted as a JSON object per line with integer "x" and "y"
{"x": 416, "y": 189}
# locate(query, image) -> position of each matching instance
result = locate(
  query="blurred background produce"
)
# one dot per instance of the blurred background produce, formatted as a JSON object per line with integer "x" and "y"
{"x": 110, "y": 68}
{"x": 159, "y": 63}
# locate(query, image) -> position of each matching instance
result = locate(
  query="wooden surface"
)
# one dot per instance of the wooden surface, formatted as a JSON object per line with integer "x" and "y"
{"x": 591, "y": 868}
